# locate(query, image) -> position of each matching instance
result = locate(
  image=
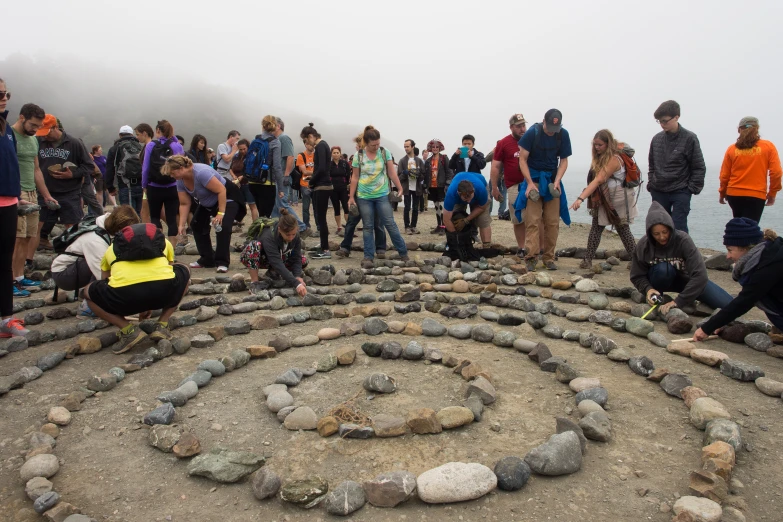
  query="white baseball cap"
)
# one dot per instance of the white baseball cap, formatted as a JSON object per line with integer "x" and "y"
{"x": 126, "y": 129}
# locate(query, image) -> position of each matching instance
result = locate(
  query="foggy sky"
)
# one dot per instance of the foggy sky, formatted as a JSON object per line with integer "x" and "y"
{"x": 421, "y": 69}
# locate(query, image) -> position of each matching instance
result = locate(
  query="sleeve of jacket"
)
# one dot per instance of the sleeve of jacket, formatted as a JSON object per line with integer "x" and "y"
{"x": 453, "y": 162}
{"x": 651, "y": 165}
{"x": 449, "y": 174}
{"x": 639, "y": 270}
{"x": 756, "y": 288}
{"x": 402, "y": 171}
{"x": 296, "y": 252}
{"x": 277, "y": 164}
{"x": 775, "y": 172}
{"x": 111, "y": 171}
{"x": 725, "y": 174}
{"x": 695, "y": 271}
{"x": 478, "y": 160}
{"x": 85, "y": 167}
{"x": 276, "y": 263}
{"x": 145, "y": 165}
{"x": 321, "y": 159}
{"x": 697, "y": 167}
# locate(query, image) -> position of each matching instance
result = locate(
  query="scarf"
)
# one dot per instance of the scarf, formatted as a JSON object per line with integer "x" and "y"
{"x": 748, "y": 263}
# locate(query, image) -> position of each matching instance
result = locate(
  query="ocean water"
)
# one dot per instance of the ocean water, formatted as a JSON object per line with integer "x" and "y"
{"x": 705, "y": 222}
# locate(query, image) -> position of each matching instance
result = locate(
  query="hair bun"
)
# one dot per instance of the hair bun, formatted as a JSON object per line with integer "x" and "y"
{"x": 283, "y": 212}
{"x": 311, "y": 124}
{"x": 369, "y": 127}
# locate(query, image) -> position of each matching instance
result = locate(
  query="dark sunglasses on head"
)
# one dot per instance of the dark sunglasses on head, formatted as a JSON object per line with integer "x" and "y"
{"x": 5, "y": 95}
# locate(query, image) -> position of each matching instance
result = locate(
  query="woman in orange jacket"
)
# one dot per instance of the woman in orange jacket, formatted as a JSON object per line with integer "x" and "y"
{"x": 751, "y": 173}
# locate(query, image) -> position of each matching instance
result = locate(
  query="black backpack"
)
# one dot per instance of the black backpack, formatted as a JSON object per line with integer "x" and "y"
{"x": 139, "y": 242}
{"x": 127, "y": 162}
{"x": 158, "y": 155}
{"x": 66, "y": 239}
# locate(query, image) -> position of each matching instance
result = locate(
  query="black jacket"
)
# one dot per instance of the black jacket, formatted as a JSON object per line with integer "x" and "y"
{"x": 111, "y": 160}
{"x": 680, "y": 251}
{"x": 10, "y": 184}
{"x": 404, "y": 172}
{"x": 276, "y": 252}
{"x": 676, "y": 162}
{"x": 764, "y": 285}
{"x": 322, "y": 157}
{"x": 69, "y": 149}
{"x": 444, "y": 172}
{"x": 477, "y": 162}
{"x": 340, "y": 173}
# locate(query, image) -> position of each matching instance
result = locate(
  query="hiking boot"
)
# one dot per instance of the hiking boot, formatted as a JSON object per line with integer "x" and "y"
{"x": 322, "y": 255}
{"x": 342, "y": 253}
{"x": 28, "y": 282}
{"x": 380, "y": 254}
{"x": 367, "y": 263}
{"x": 128, "y": 340}
{"x": 405, "y": 258}
{"x": 585, "y": 264}
{"x": 550, "y": 265}
{"x": 13, "y": 327}
{"x": 160, "y": 332}
{"x": 530, "y": 264}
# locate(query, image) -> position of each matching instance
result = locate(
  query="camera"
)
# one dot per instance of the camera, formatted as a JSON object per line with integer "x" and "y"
{"x": 657, "y": 299}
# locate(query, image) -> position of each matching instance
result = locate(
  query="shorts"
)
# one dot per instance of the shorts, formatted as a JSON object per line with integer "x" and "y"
{"x": 249, "y": 199}
{"x": 27, "y": 226}
{"x": 141, "y": 297}
{"x": 100, "y": 185}
{"x": 512, "y": 193}
{"x": 70, "y": 210}
{"x": 76, "y": 276}
{"x": 437, "y": 194}
{"x": 484, "y": 220}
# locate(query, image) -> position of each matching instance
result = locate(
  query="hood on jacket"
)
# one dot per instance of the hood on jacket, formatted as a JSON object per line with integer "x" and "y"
{"x": 657, "y": 215}
{"x": 100, "y": 220}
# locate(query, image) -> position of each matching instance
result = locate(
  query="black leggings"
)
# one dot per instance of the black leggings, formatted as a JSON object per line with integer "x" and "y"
{"x": 746, "y": 206}
{"x": 167, "y": 198}
{"x": 321, "y": 204}
{"x": 201, "y": 224}
{"x": 339, "y": 197}
{"x": 8, "y": 218}
{"x": 264, "y": 196}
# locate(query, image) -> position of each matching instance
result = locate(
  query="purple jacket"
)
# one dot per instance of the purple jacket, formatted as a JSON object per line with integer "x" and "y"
{"x": 100, "y": 162}
{"x": 176, "y": 148}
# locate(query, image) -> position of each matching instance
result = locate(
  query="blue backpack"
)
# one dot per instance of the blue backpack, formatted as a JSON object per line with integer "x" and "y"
{"x": 257, "y": 161}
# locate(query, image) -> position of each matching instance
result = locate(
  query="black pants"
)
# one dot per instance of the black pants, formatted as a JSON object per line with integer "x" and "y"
{"x": 168, "y": 199}
{"x": 747, "y": 206}
{"x": 339, "y": 197}
{"x": 201, "y": 224}
{"x": 264, "y": 196}
{"x": 320, "y": 206}
{"x": 7, "y": 240}
{"x": 412, "y": 201}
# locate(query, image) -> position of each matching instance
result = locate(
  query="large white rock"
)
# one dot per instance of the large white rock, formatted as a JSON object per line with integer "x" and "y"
{"x": 44, "y": 465}
{"x": 587, "y": 285}
{"x": 700, "y": 509}
{"x": 705, "y": 409}
{"x": 455, "y": 482}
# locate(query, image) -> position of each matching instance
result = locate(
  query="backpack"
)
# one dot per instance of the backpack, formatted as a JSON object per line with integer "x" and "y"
{"x": 258, "y": 226}
{"x": 257, "y": 161}
{"x": 381, "y": 151}
{"x": 633, "y": 174}
{"x": 139, "y": 242}
{"x": 537, "y": 138}
{"x": 66, "y": 239}
{"x": 158, "y": 155}
{"x": 127, "y": 162}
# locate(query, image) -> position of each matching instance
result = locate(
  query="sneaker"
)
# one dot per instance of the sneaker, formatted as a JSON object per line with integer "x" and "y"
{"x": 322, "y": 255}
{"x": 415, "y": 230}
{"x": 195, "y": 264}
{"x": 380, "y": 254}
{"x": 28, "y": 282}
{"x": 342, "y": 253}
{"x": 13, "y": 327}
{"x": 408, "y": 231}
{"x": 367, "y": 263}
{"x": 20, "y": 292}
{"x": 530, "y": 264}
{"x": 550, "y": 265}
{"x": 221, "y": 269}
{"x": 84, "y": 310}
{"x": 160, "y": 332}
{"x": 585, "y": 264}
{"x": 128, "y": 340}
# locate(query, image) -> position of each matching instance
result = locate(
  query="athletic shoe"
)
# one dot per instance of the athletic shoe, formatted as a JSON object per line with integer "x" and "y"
{"x": 343, "y": 253}
{"x": 160, "y": 332}
{"x": 221, "y": 269}
{"x": 13, "y": 327}
{"x": 550, "y": 265}
{"x": 322, "y": 255}
{"x": 28, "y": 282}
{"x": 85, "y": 310}
{"x": 20, "y": 292}
{"x": 585, "y": 264}
{"x": 521, "y": 252}
{"x": 195, "y": 264}
{"x": 380, "y": 254}
{"x": 128, "y": 340}
{"x": 530, "y": 264}
{"x": 415, "y": 230}
{"x": 367, "y": 263}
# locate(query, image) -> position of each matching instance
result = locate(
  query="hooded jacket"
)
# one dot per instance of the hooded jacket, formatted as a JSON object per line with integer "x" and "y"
{"x": 111, "y": 160}
{"x": 68, "y": 149}
{"x": 763, "y": 285}
{"x": 276, "y": 166}
{"x": 276, "y": 252}
{"x": 676, "y": 162}
{"x": 404, "y": 172}
{"x": 680, "y": 251}
{"x": 10, "y": 184}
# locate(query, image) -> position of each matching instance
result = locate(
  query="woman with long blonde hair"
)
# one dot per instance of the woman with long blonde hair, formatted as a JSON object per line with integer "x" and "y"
{"x": 609, "y": 200}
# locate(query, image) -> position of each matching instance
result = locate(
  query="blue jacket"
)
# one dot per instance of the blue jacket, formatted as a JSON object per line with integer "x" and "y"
{"x": 9, "y": 163}
{"x": 543, "y": 179}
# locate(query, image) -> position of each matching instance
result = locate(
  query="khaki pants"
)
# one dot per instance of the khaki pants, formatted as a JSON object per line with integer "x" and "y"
{"x": 539, "y": 214}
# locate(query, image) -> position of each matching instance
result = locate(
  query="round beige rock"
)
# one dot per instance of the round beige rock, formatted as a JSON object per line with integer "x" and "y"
{"x": 708, "y": 357}
{"x": 460, "y": 286}
{"x": 705, "y": 409}
{"x": 59, "y": 416}
{"x": 584, "y": 383}
{"x": 454, "y": 417}
{"x": 327, "y": 334}
{"x": 396, "y": 327}
{"x": 769, "y": 386}
{"x": 588, "y": 406}
{"x": 698, "y": 509}
{"x": 44, "y": 465}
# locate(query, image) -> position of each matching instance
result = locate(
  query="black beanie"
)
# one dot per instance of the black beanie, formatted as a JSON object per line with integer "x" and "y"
{"x": 742, "y": 232}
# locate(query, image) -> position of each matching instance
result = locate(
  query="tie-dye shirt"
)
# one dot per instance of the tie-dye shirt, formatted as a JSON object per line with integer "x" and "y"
{"x": 373, "y": 178}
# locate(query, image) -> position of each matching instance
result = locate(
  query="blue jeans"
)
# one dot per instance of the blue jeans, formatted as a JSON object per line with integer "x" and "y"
{"x": 664, "y": 277}
{"x": 283, "y": 203}
{"x": 350, "y": 228}
{"x": 131, "y": 196}
{"x": 677, "y": 204}
{"x": 379, "y": 211}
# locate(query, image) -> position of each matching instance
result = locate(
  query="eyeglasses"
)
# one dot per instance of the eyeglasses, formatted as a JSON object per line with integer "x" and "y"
{"x": 664, "y": 122}
{"x": 5, "y": 95}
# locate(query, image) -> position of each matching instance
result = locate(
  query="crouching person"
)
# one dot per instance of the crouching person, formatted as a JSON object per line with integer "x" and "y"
{"x": 275, "y": 245}
{"x": 138, "y": 275}
{"x": 82, "y": 247}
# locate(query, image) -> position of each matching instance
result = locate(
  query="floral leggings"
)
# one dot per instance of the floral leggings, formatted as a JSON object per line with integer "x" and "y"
{"x": 254, "y": 257}
{"x": 594, "y": 239}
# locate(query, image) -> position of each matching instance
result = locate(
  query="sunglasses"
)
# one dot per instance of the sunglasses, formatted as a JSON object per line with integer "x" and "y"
{"x": 5, "y": 95}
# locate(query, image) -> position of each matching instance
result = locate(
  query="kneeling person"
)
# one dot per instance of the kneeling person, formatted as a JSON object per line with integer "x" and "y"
{"x": 138, "y": 275}
{"x": 468, "y": 188}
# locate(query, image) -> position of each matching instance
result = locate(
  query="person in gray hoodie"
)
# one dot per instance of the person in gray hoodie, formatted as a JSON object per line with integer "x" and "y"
{"x": 667, "y": 260}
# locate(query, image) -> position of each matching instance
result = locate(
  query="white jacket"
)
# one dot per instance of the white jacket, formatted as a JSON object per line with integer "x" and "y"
{"x": 90, "y": 245}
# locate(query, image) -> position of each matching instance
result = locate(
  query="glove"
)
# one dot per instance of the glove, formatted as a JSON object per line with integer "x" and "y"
{"x": 459, "y": 224}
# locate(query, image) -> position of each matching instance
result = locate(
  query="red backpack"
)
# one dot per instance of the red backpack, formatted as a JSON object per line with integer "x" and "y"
{"x": 633, "y": 174}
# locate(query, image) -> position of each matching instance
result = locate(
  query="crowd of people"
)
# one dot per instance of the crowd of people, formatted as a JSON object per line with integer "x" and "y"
{"x": 123, "y": 263}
